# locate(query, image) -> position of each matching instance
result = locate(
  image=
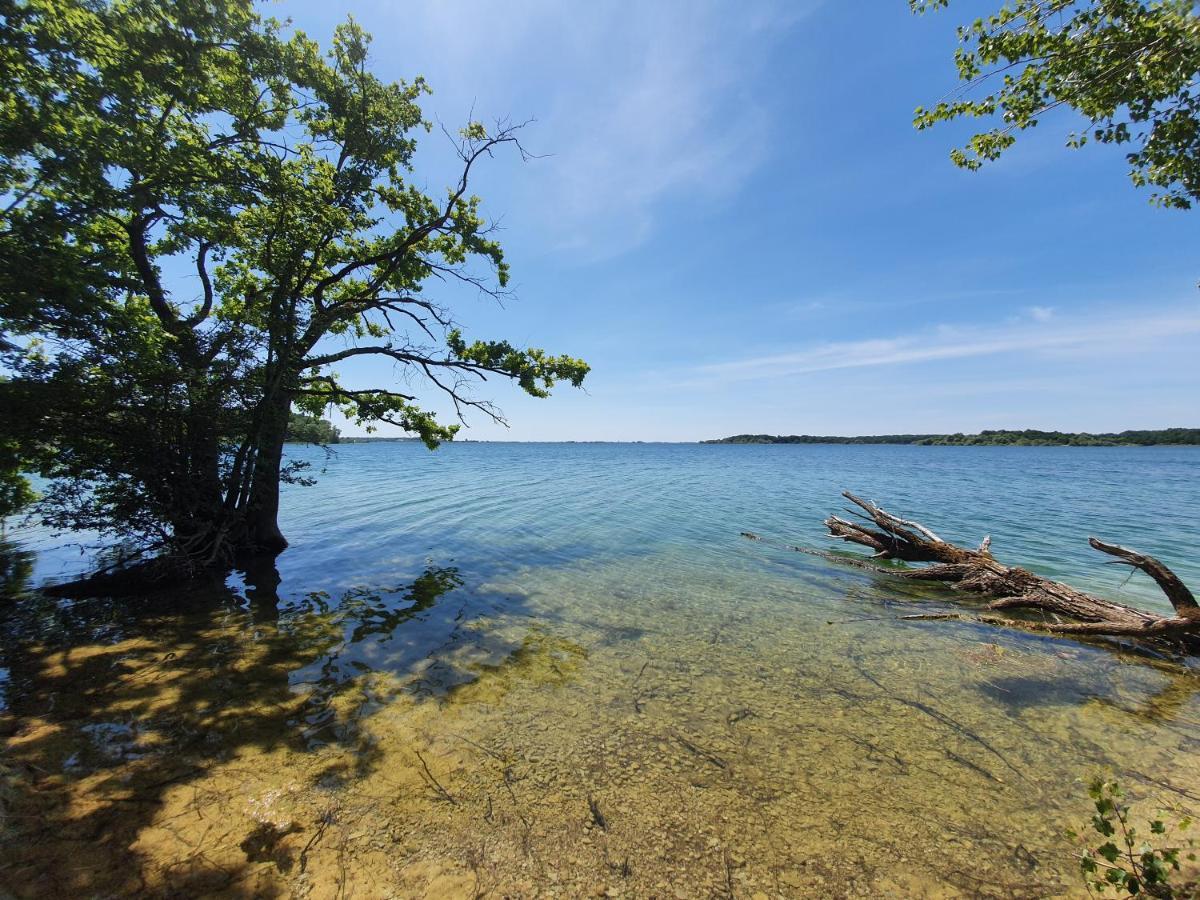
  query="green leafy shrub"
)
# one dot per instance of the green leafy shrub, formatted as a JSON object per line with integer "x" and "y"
{"x": 1127, "y": 862}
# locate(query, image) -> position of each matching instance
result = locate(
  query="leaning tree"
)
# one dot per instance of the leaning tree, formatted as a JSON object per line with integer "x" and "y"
{"x": 203, "y": 215}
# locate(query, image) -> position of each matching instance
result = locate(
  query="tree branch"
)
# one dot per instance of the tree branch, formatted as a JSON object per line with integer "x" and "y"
{"x": 136, "y": 229}
{"x": 1177, "y": 592}
{"x": 206, "y": 306}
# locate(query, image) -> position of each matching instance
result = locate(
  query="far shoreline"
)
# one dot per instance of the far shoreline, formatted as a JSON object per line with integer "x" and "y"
{"x": 1170, "y": 437}
{"x": 865, "y": 440}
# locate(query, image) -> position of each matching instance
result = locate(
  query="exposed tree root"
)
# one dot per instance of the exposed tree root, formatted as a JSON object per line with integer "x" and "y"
{"x": 1063, "y": 609}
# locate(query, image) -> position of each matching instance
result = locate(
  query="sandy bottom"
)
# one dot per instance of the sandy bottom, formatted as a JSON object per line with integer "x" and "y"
{"x": 587, "y": 730}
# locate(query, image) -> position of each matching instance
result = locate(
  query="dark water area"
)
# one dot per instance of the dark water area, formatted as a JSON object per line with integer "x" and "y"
{"x": 558, "y": 670}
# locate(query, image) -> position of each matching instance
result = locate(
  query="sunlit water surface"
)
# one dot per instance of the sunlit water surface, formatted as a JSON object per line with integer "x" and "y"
{"x": 558, "y": 670}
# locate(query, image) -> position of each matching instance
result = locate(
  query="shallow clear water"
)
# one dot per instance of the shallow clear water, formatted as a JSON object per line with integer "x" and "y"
{"x": 522, "y": 670}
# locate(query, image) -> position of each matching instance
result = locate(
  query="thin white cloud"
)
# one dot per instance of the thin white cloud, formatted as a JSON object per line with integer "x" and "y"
{"x": 636, "y": 104}
{"x": 1041, "y": 313}
{"x": 1092, "y": 336}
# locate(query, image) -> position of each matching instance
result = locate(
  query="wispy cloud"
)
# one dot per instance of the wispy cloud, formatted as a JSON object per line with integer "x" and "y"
{"x": 637, "y": 104}
{"x": 951, "y": 342}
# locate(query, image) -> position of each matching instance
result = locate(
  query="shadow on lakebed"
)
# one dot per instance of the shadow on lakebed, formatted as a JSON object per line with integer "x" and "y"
{"x": 198, "y": 742}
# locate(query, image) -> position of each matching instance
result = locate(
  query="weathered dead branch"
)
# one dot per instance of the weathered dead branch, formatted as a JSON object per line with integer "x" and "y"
{"x": 1060, "y": 609}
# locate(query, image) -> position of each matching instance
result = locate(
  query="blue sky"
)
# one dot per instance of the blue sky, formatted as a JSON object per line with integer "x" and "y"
{"x": 735, "y": 223}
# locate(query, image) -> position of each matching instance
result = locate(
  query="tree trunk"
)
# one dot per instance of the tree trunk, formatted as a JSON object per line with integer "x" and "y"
{"x": 1044, "y": 605}
{"x": 208, "y": 534}
{"x": 261, "y": 515}
{"x": 198, "y": 491}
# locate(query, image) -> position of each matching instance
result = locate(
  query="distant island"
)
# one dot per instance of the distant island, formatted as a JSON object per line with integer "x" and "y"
{"x": 993, "y": 438}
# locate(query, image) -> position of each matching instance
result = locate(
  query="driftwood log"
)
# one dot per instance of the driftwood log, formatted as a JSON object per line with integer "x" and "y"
{"x": 1043, "y": 605}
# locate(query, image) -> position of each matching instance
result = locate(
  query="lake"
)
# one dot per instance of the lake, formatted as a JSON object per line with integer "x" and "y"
{"x": 559, "y": 670}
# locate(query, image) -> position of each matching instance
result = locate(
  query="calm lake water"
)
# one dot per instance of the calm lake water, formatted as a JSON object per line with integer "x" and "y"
{"x": 558, "y": 670}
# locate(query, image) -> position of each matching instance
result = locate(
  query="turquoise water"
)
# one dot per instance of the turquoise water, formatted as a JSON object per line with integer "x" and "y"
{"x": 379, "y": 509}
{"x": 484, "y": 641}
{"x": 497, "y": 505}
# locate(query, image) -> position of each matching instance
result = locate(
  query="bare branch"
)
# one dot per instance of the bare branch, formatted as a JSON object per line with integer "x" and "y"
{"x": 472, "y": 153}
{"x": 1177, "y": 592}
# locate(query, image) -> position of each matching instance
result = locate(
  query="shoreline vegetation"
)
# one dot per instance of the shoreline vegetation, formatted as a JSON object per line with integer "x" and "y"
{"x": 989, "y": 438}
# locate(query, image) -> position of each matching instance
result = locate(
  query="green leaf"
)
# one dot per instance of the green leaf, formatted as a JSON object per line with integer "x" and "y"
{"x": 1127, "y": 67}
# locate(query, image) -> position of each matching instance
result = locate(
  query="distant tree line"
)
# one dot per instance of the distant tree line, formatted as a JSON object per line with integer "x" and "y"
{"x": 992, "y": 438}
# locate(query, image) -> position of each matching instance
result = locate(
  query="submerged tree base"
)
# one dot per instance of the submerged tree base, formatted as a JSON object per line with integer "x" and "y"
{"x": 154, "y": 574}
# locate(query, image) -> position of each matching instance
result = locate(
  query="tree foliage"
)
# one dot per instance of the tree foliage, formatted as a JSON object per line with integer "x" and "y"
{"x": 205, "y": 214}
{"x": 15, "y": 490}
{"x": 307, "y": 429}
{"x": 1130, "y": 67}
